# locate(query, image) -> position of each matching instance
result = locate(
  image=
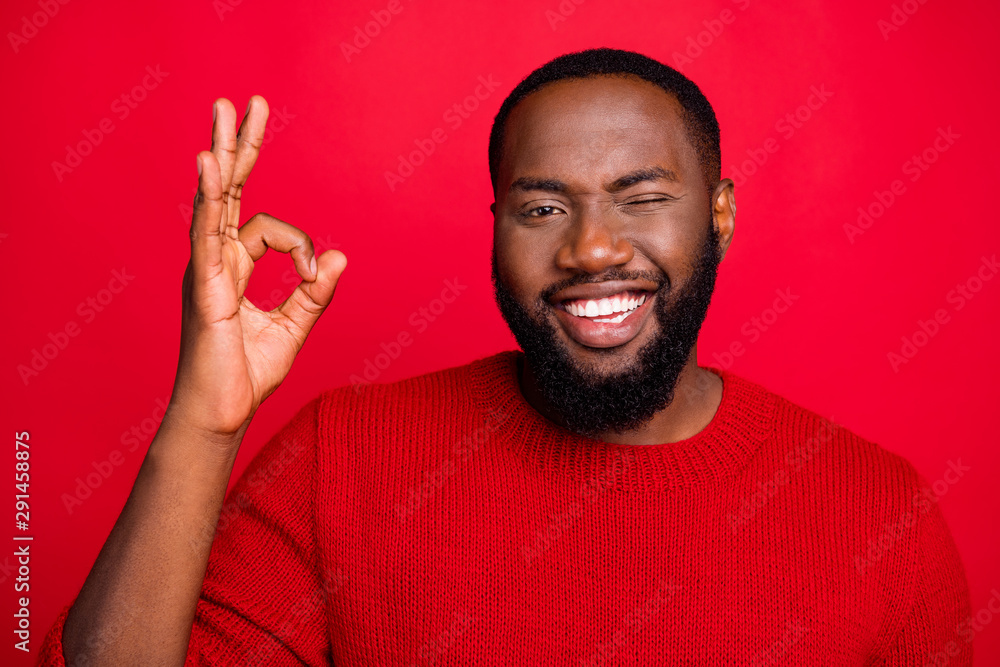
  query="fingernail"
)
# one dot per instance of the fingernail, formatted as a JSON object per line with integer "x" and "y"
{"x": 215, "y": 111}
{"x": 312, "y": 265}
{"x": 248, "y": 107}
{"x": 198, "y": 158}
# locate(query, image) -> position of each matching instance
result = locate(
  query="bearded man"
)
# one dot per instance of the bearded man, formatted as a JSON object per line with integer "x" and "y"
{"x": 595, "y": 498}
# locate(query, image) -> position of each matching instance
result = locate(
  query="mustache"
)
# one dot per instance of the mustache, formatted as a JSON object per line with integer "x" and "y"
{"x": 657, "y": 277}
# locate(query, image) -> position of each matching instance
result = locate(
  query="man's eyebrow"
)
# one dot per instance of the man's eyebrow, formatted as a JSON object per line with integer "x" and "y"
{"x": 640, "y": 175}
{"x": 529, "y": 183}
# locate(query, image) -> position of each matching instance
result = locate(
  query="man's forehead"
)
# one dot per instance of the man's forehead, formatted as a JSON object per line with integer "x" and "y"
{"x": 604, "y": 160}
{"x": 600, "y": 125}
{"x": 594, "y": 104}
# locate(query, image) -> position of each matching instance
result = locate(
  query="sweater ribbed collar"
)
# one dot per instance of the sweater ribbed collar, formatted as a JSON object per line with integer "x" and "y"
{"x": 722, "y": 449}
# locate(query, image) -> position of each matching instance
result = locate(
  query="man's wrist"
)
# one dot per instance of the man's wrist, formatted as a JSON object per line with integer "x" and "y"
{"x": 192, "y": 447}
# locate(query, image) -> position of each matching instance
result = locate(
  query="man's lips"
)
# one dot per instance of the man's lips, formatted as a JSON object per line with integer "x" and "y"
{"x": 617, "y": 306}
{"x": 602, "y": 314}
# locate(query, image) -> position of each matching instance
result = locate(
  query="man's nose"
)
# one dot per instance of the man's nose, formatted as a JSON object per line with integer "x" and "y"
{"x": 594, "y": 244}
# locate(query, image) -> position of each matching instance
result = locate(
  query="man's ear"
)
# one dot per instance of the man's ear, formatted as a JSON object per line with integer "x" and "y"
{"x": 724, "y": 213}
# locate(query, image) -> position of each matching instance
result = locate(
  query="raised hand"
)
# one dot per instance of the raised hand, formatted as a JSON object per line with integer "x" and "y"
{"x": 233, "y": 355}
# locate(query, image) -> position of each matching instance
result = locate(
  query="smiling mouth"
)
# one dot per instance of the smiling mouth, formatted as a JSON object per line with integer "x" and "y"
{"x": 610, "y": 309}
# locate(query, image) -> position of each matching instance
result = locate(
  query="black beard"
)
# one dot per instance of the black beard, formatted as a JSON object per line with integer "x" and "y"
{"x": 591, "y": 403}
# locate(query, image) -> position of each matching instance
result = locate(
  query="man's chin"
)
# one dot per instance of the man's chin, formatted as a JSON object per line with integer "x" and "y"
{"x": 597, "y": 364}
{"x": 591, "y": 366}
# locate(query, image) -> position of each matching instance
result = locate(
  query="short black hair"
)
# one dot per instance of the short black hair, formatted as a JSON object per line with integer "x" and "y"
{"x": 698, "y": 117}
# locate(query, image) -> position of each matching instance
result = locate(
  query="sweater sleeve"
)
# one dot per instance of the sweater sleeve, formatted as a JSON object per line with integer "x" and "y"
{"x": 263, "y": 599}
{"x": 931, "y": 630}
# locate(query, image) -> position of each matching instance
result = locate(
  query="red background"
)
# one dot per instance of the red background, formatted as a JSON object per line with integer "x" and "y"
{"x": 346, "y": 124}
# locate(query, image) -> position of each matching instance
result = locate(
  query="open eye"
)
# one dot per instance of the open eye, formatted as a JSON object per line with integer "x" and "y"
{"x": 540, "y": 212}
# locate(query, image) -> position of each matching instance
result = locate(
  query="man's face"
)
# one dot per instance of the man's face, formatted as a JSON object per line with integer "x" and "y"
{"x": 604, "y": 247}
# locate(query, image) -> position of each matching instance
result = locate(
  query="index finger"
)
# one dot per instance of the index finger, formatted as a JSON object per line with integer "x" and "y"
{"x": 264, "y": 231}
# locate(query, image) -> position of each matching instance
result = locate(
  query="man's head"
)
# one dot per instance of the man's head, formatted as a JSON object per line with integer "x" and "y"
{"x": 697, "y": 114}
{"x": 605, "y": 167}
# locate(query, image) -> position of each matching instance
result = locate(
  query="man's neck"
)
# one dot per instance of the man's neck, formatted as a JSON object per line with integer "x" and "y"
{"x": 696, "y": 399}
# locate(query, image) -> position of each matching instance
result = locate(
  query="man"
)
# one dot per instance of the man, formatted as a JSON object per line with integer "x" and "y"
{"x": 598, "y": 499}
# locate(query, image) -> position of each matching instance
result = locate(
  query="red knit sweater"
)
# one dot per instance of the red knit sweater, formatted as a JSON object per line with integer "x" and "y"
{"x": 442, "y": 521}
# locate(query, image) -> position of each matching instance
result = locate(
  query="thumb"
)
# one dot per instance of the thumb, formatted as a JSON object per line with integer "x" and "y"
{"x": 304, "y": 305}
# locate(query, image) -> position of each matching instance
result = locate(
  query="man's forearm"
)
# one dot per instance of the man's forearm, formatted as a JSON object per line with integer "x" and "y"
{"x": 138, "y": 603}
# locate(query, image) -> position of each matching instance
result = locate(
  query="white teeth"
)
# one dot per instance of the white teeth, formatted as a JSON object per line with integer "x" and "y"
{"x": 620, "y": 303}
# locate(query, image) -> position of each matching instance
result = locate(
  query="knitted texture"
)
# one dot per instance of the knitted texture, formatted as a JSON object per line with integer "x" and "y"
{"x": 441, "y": 520}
